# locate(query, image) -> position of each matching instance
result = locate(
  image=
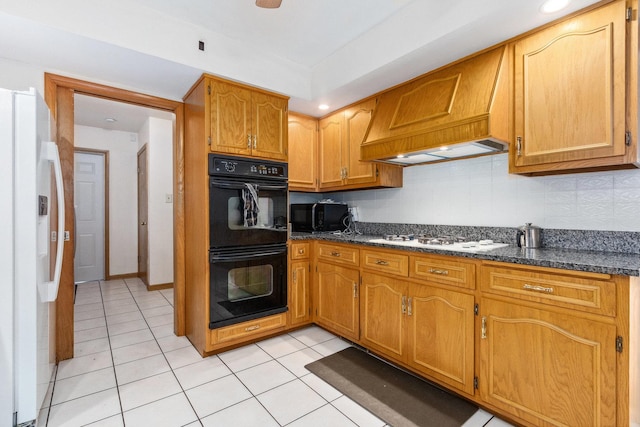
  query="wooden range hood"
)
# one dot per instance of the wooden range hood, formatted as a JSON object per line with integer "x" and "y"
{"x": 463, "y": 107}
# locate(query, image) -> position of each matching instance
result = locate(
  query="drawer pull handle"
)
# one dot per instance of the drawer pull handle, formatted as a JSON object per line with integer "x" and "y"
{"x": 336, "y": 254}
{"x": 404, "y": 304}
{"x": 440, "y": 272}
{"x": 409, "y": 304}
{"x": 381, "y": 262}
{"x": 301, "y": 251}
{"x": 251, "y": 328}
{"x": 537, "y": 288}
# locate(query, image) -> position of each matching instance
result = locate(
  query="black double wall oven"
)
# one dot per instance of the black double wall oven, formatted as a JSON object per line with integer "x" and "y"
{"x": 248, "y": 202}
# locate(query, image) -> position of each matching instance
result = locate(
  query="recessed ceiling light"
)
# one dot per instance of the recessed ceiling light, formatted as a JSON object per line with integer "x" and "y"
{"x": 323, "y": 106}
{"x": 110, "y": 120}
{"x": 551, "y": 6}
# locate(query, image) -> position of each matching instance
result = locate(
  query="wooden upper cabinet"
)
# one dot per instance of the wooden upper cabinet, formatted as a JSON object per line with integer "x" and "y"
{"x": 247, "y": 122}
{"x": 269, "y": 125}
{"x": 340, "y": 136}
{"x": 356, "y": 123}
{"x": 303, "y": 152}
{"x": 569, "y": 88}
{"x": 330, "y": 151}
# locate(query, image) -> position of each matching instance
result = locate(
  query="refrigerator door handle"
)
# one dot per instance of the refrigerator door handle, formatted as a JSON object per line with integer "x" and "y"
{"x": 49, "y": 290}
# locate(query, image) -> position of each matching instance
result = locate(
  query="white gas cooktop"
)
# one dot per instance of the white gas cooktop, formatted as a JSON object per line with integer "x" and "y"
{"x": 469, "y": 247}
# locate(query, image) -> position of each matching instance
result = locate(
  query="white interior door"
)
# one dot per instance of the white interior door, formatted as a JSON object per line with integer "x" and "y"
{"x": 90, "y": 218}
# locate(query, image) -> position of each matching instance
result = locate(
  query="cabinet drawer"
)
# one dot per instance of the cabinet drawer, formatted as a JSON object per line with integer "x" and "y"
{"x": 386, "y": 262}
{"x": 448, "y": 272}
{"x": 248, "y": 330}
{"x": 579, "y": 292}
{"x": 338, "y": 254}
{"x": 299, "y": 250}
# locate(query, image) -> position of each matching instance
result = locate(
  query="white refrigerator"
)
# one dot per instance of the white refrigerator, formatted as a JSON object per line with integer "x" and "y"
{"x": 29, "y": 166}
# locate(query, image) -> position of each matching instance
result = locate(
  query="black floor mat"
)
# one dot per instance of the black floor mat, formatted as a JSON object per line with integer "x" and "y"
{"x": 396, "y": 397}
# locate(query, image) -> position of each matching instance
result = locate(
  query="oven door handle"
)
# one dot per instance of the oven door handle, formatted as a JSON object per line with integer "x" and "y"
{"x": 240, "y": 185}
{"x": 244, "y": 255}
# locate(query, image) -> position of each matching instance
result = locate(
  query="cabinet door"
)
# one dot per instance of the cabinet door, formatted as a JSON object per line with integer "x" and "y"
{"x": 299, "y": 312}
{"x": 303, "y": 157}
{"x": 383, "y": 303}
{"x": 337, "y": 305}
{"x": 547, "y": 368}
{"x": 356, "y": 120}
{"x": 570, "y": 90}
{"x": 230, "y": 119}
{"x": 330, "y": 153}
{"x": 441, "y": 338}
{"x": 269, "y": 126}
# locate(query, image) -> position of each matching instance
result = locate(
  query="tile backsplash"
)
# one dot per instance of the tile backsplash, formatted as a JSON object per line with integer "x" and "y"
{"x": 481, "y": 192}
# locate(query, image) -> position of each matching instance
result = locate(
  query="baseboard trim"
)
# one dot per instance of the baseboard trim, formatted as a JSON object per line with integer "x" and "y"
{"x": 122, "y": 276}
{"x": 159, "y": 286}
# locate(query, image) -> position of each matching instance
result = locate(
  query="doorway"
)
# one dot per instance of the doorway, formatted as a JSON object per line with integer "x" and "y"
{"x": 91, "y": 215}
{"x": 59, "y": 95}
{"x": 143, "y": 217}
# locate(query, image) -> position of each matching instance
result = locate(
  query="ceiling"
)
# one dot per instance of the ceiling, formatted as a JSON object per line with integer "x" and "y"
{"x": 315, "y": 51}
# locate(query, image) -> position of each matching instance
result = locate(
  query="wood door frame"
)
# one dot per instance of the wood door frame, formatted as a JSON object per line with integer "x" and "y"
{"x": 105, "y": 155}
{"x": 59, "y": 92}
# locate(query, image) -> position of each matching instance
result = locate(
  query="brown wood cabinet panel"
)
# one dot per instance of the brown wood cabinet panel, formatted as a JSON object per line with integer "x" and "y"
{"x": 387, "y": 262}
{"x": 299, "y": 312}
{"x": 230, "y": 118}
{"x": 340, "y": 254}
{"x": 569, "y": 88}
{"x": 447, "y": 271}
{"x": 356, "y": 123}
{"x": 383, "y": 306}
{"x": 300, "y": 250}
{"x": 547, "y": 368}
{"x": 337, "y": 299}
{"x": 303, "y": 152}
{"x": 247, "y": 122}
{"x": 269, "y": 126}
{"x": 247, "y": 330}
{"x": 330, "y": 152}
{"x": 584, "y": 292}
{"x": 340, "y": 136}
{"x": 441, "y": 335}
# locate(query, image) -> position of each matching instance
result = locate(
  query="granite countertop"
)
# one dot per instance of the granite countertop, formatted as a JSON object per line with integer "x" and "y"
{"x": 615, "y": 263}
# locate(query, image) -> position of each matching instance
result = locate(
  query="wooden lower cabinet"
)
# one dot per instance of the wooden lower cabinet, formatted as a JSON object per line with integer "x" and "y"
{"x": 336, "y": 299}
{"x": 441, "y": 335}
{"x": 547, "y": 368}
{"x": 299, "y": 290}
{"x": 383, "y": 308}
{"x": 429, "y": 329}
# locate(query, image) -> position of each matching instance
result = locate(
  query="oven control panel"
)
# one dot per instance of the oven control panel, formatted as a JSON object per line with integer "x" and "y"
{"x": 240, "y": 166}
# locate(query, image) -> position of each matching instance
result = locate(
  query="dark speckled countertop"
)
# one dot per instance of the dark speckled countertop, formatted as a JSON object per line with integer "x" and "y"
{"x": 606, "y": 262}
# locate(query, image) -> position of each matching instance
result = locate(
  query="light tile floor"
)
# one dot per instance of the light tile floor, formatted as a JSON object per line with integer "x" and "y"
{"x": 130, "y": 369}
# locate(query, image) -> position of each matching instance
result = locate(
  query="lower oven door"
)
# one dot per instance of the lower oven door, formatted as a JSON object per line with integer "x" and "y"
{"x": 247, "y": 283}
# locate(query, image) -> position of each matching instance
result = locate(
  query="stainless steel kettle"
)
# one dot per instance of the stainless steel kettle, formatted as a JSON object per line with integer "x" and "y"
{"x": 528, "y": 236}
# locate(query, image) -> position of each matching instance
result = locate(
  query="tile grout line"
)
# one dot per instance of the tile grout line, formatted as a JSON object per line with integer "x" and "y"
{"x": 166, "y": 360}
{"x": 113, "y": 364}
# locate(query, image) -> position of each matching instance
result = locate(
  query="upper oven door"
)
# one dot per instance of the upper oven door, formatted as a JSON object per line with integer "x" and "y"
{"x": 247, "y": 212}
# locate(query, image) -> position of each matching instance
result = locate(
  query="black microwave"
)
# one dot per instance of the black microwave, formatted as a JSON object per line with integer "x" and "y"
{"x": 319, "y": 217}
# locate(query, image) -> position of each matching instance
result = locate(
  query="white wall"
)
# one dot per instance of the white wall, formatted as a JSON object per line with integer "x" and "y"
{"x": 480, "y": 191}
{"x": 123, "y": 193}
{"x": 158, "y": 135}
{"x": 20, "y": 76}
